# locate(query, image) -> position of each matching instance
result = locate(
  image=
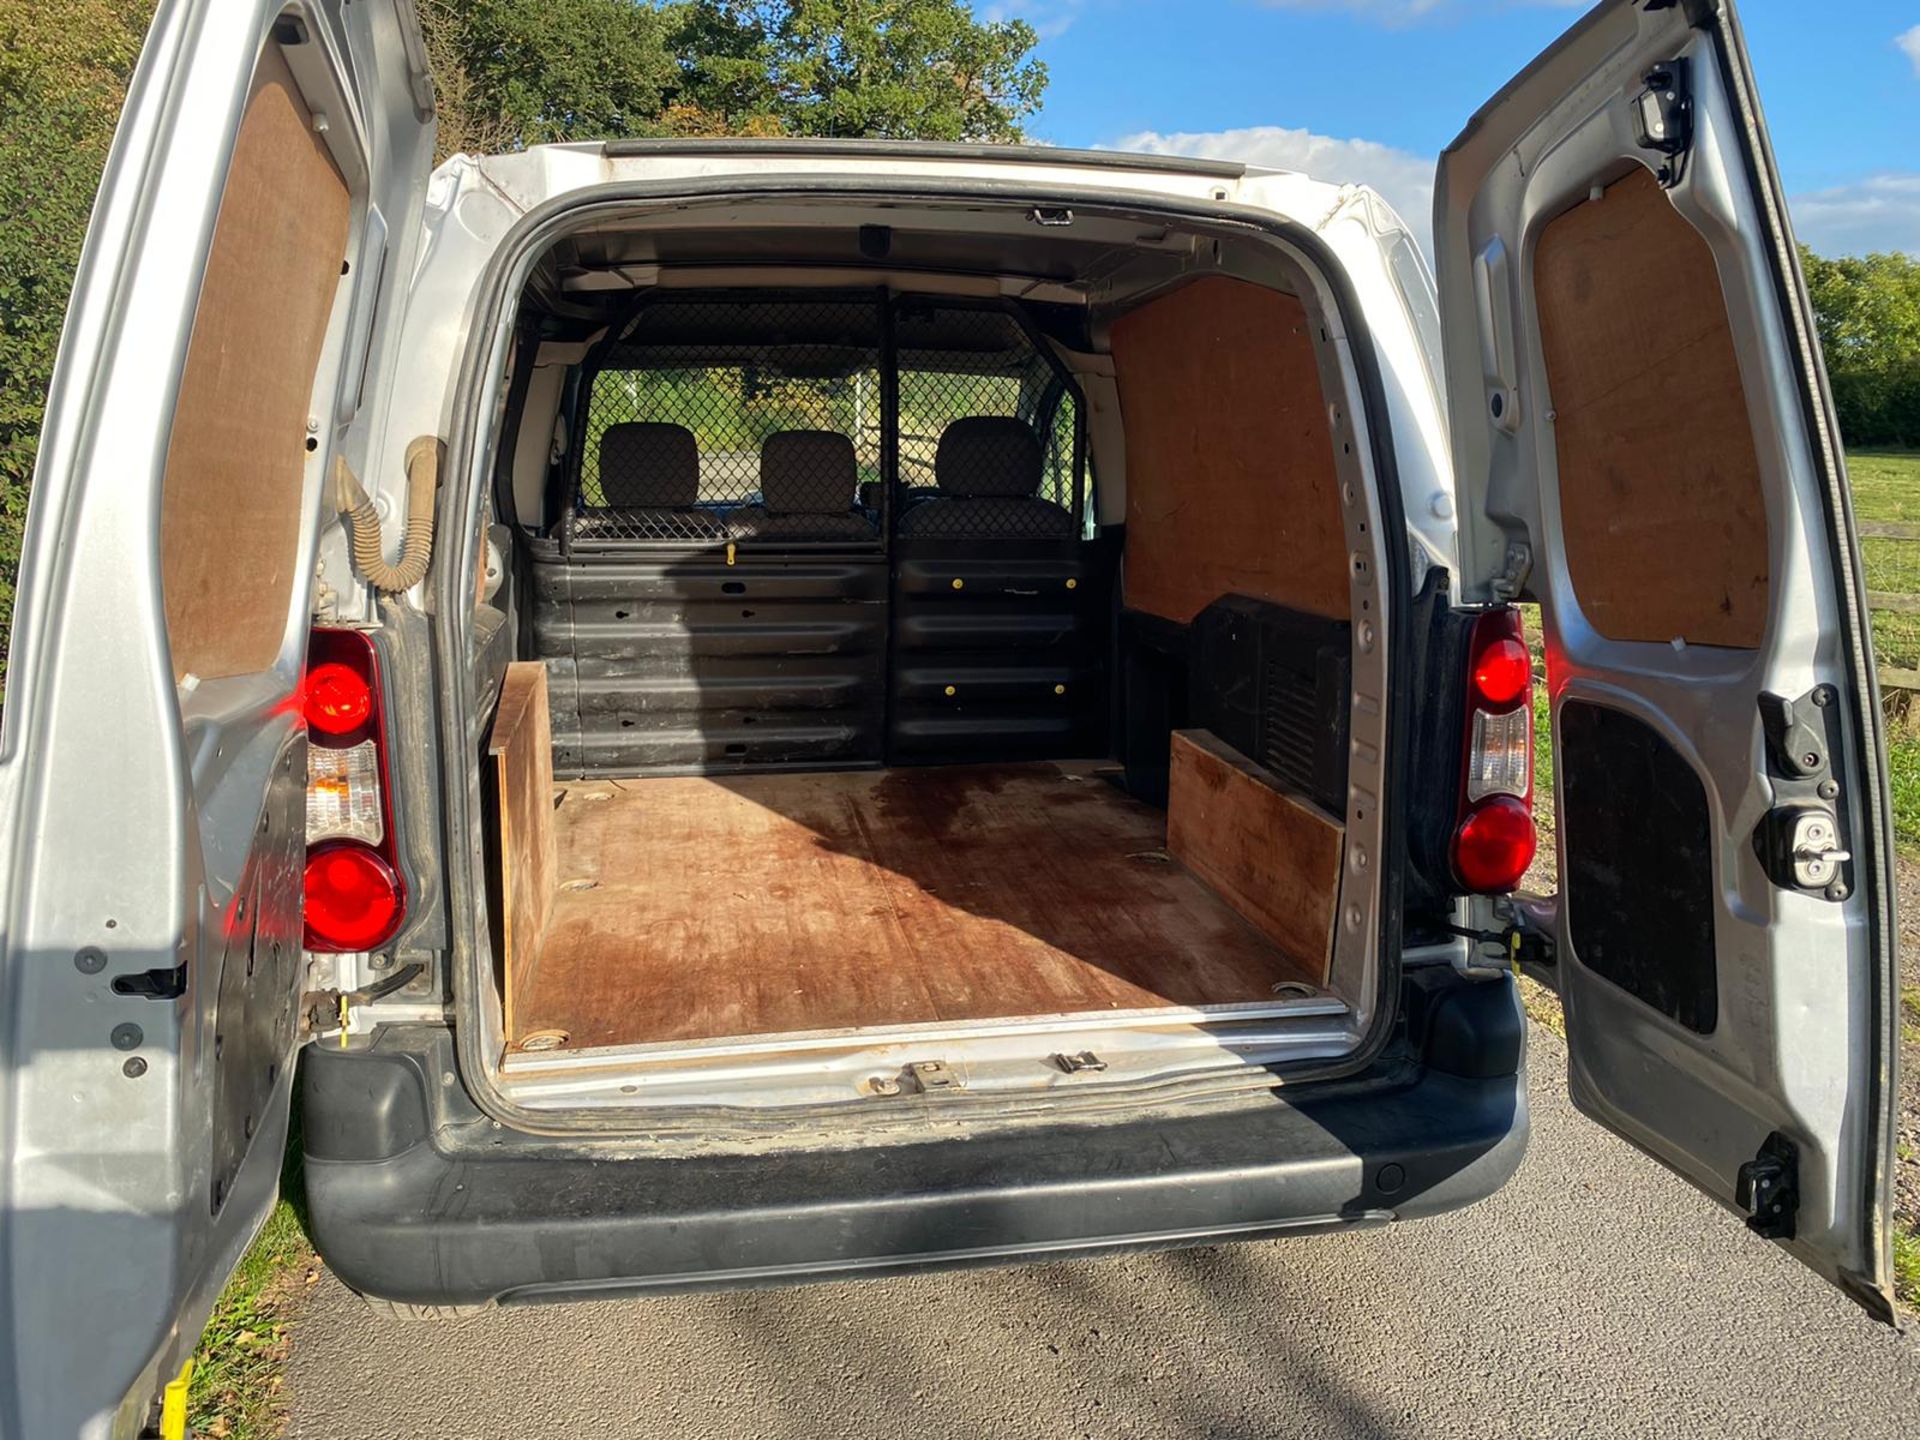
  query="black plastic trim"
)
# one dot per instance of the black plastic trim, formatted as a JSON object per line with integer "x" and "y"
{"x": 413, "y": 1195}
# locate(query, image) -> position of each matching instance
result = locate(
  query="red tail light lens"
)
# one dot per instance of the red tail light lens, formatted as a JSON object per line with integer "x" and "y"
{"x": 1493, "y": 840}
{"x": 1494, "y": 845}
{"x": 1502, "y": 672}
{"x": 339, "y": 700}
{"x": 353, "y": 898}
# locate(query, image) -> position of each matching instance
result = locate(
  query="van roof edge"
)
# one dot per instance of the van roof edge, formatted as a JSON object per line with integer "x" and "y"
{"x": 931, "y": 150}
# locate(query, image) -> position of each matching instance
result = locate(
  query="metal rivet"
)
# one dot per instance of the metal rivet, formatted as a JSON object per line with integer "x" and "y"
{"x": 134, "y": 1068}
{"x": 1073, "y": 584}
{"x": 1059, "y": 689}
{"x": 951, "y": 690}
{"x": 127, "y": 1036}
{"x": 1837, "y": 890}
{"x": 1829, "y": 789}
{"x": 958, "y": 583}
{"x": 90, "y": 960}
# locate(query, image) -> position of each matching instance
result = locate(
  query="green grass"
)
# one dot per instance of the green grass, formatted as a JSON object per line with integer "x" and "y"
{"x": 239, "y": 1369}
{"x": 1906, "y": 1265}
{"x": 1886, "y": 486}
{"x": 1542, "y": 722}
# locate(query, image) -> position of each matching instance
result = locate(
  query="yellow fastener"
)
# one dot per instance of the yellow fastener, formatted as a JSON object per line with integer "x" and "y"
{"x": 958, "y": 583}
{"x": 173, "y": 1404}
{"x": 1059, "y": 689}
{"x": 729, "y": 552}
{"x": 951, "y": 690}
{"x": 1073, "y": 584}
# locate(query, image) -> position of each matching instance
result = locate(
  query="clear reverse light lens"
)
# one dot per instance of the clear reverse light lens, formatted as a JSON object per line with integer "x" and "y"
{"x": 343, "y": 794}
{"x": 1500, "y": 759}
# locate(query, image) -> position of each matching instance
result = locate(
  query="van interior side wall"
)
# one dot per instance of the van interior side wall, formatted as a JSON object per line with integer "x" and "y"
{"x": 874, "y": 675}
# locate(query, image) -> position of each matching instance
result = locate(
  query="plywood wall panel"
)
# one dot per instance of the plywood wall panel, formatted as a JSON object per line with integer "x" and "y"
{"x": 1230, "y": 470}
{"x": 1663, "y": 519}
{"x": 1273, "y": 857}
{"x": 231, "y": 508}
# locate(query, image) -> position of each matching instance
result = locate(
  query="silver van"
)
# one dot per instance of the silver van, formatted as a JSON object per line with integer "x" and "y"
{"x": 769, "y": 711}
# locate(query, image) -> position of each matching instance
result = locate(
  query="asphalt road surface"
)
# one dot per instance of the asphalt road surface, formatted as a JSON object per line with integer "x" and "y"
{"x": 1594, "y": 1295}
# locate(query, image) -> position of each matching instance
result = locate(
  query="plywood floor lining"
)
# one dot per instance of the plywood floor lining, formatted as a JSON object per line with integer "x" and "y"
{"x": 695, "y": 909}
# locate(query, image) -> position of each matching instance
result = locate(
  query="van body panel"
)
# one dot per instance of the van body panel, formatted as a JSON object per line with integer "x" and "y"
{"x": 1626, "y": 324}
{"x": 153, "y": 757}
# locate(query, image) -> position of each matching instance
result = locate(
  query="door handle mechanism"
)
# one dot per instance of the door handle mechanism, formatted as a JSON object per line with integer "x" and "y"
{"x": 1817, "y": 856}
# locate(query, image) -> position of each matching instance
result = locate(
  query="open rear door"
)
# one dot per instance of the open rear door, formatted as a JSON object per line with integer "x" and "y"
{"x": 1646, "y": 446}
{"x": 228, "y": 321}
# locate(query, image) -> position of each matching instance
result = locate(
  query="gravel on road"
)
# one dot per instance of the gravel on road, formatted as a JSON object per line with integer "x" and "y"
{"x": 1595, "y": 1295}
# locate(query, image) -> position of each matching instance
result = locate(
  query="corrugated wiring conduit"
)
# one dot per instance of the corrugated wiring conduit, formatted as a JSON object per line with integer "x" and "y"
{"x": 350, "y": 498}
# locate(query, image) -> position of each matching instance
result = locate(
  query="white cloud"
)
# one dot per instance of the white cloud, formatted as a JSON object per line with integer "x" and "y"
{"x": 1405, "y": 179}
{"x": 1047, "y": 17}
{"x": 1909, "y": 43}
{"x": 1881, "y": 212}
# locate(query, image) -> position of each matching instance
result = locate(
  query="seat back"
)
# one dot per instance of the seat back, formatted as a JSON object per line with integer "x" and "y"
{"x": 808, "y": 483}
{"x": 988, "y": 471}
{"x": 649, "y": 477}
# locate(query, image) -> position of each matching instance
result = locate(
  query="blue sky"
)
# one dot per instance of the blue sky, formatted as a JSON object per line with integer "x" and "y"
{"x": 1372, "y": 89}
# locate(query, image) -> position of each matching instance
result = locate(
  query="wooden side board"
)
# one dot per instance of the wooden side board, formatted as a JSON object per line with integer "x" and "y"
{"x": 521, "y": 747}
{"x": 1661, "y": 509}
{"x": 1274, "y": 858}
{"x": 1231, "y": 487}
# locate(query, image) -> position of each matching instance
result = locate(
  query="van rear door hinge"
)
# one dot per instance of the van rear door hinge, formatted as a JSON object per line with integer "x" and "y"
{"x": 1511, "y": 582}
{"x": 1768, "y": 1188}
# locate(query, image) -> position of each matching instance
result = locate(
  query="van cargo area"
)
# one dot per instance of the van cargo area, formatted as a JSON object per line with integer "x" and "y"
{"x": 937, "y": 669}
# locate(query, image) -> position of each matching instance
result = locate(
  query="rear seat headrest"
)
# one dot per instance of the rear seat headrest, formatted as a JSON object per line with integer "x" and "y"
{"x": 646, "y": 464}
{"x": 985, "y": 456}
{"x": 808, "y": 472}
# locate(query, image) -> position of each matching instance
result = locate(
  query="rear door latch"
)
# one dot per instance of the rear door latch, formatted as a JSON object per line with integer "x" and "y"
{"x": 1768, "y": 1188}
{"x": 1801, "y": 841}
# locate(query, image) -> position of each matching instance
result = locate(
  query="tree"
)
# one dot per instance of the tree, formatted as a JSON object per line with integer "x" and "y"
{"x": 63, "y": 78}
{"x": 893, "y": 69}
{"x": 517, "y": 72}
{"x": 512, "y": 73}
{"x": 1867, "y": 308}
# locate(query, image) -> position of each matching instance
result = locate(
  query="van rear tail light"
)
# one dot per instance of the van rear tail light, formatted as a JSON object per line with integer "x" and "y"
{"x": 343, "y": 794}
{"x": 1494, "y": 846}
{"x": 1500, "y": 754}
{"x": 1494, "y": 840}
{"x": 338, "y": 698}
{"x": 355, "y": 899}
